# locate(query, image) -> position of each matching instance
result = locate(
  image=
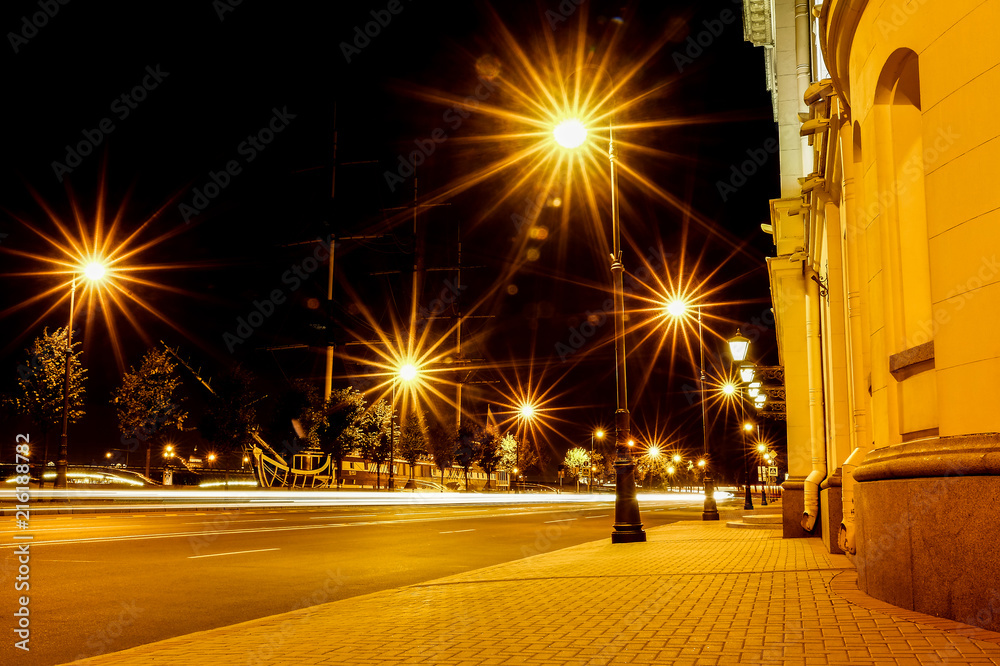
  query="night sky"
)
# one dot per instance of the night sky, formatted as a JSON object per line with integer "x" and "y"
{"x": 218, "y": 121}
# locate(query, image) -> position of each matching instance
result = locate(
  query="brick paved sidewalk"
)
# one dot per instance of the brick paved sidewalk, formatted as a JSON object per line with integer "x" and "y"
{"x": 694, "y": 594}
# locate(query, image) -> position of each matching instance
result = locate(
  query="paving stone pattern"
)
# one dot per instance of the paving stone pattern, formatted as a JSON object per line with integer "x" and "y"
{"x": 696, "y": 594}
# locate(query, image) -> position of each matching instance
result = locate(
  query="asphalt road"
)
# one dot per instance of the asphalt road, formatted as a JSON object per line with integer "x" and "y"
{"x": 103, "y": 583}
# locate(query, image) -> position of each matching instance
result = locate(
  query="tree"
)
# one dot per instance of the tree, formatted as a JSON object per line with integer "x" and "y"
{"x": 146, "y": 402}
{"x": 374, "y": 436}
{"x": 41, "y": 386}
{"x": 230, "y": 416}
{"x": 413, "y": 441}
{"x": 442, "y": 444}
{"x": 489, "y": 453}
{"x": 577, "y": 460}
{"x": 515, "y": 456}
{"x": 337, "y": 426}
{"x": 468, "y": 447}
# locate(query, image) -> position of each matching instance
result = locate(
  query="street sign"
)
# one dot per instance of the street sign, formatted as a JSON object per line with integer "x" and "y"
{"x": 772, "y": 472}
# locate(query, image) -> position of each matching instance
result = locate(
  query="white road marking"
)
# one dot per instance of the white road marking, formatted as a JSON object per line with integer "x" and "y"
{"x": 238, "y": 520}
{"x": 237, "y": 552}
{"x": 561, "y": 520}
{"x": 359, "y": 515}
{"x": 601, "y": 516}
{"x": 456, "y": 531}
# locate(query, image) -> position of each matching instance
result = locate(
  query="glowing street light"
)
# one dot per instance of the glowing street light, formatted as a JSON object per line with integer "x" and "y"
{"x": 748, "y": 426}
{"x": 407, "y": 373}
{"x": 653, "y": 452}
{"x": 676, "y": 308}
{"x": 94, "y": 271}
{"x": 729, "y": 388}
{"x": 753, "y": 389}
{"x": 747, "y": 372}
{"x": 570, "y": 133}
{"x": 599, "y": 434}
{"x": 738, "y": 347}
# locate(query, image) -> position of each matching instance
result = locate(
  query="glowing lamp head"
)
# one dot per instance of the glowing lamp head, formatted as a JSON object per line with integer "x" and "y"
{"x": 748, "y": 427}
{"x": 729, "y": 388}
{"x": 739, "y": 346}
{"x": 631, "y": 442}
{"x": 677, "y": 457}
{"x": 527, "y": 411}
{"x": 94, "y": 271}
{"x": 761, "y": 448}
{"x": 676, "y": 308}
{"x": 211, "y": 457}
{"x": 671, "y": 470}
{"x": 654, "y": 452}
{"x": 108, "y": 454}
{"x": 570, "y": 133}
{"x": 408, "y": 372}
{"x": 599, "y": 434}
{"x": 701, "y": 463}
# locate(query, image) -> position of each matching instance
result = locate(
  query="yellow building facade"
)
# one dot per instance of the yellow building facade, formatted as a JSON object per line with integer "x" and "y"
{"x": 886, "y": 289}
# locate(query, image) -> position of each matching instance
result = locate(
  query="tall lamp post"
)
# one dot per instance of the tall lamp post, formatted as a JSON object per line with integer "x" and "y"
{"x": 628, "y": 524}
{"x": 600, "y": 435}
{"x": 406, "y": 373}
{"x": 525, "y": 413}
{"x": 94, "y": 272}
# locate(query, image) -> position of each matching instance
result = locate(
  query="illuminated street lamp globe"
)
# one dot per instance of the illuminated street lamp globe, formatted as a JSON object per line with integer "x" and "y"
{"x": 408, "y": 372}
{"x": 527, "y": 411}
{"x": 677, "y": 457}
{"x": 676, "y": 308}
{"x": 570, "y": 133}
{"x": 729, "y": 388}
{"x": 94, "y": 271}
{"x": 654, "y": 452}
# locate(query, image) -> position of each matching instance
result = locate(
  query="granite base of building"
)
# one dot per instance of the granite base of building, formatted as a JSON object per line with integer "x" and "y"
{"x": 932, "y": 545}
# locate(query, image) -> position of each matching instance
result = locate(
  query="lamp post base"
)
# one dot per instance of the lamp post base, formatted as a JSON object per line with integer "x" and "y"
{"x": 748, "y": 500}
{"x": 711, "y": 511}
{"x": 628, "y": 525}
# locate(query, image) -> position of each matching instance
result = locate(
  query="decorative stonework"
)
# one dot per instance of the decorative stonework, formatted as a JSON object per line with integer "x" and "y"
{"x": 758, "y": 22}
{"x": 958, "y": 456}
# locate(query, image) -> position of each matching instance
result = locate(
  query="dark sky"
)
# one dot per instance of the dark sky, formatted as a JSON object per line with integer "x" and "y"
{"x": 216, "y": 77}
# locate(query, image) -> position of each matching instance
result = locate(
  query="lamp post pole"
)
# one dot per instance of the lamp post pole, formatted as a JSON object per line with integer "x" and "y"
{"x": 710, "y": 510}
{"x": 63, "y": 462}
{"x": 628, "y": 524}
{"x": 748, "y": 498}
{"x": 392, "y": 433}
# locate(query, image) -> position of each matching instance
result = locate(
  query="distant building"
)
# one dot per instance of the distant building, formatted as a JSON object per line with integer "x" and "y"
{"x": 886, "y": 289}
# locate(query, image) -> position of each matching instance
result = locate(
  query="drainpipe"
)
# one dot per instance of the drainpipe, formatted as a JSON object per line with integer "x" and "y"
{"x": 803, "y": 72}
{"x": 816, "y": 434}
{"x": 854, "y": 262}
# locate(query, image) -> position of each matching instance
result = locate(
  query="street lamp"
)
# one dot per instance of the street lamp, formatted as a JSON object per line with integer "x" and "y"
{"x": 406, "y": 372}
{"x": 599, "y": 434}
{"x": 678, "y": 308}
{"x": 738, "y": 347}
{"x": 571, "y": 133}
{"x": 93, "y": 271}
{"x": 525, "y": 413}
{"x": 753, "y": 389}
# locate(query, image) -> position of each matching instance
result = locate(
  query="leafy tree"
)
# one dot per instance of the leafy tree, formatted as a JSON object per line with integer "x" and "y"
{"x": 337, "y": 426}
{"x": 146, "y": 402}
{"x": 577, "y": 460}
{"x": 469, "y": 445}
{"x": 374, "y": 436}
{"x": 41, "y": 384}
{"x": 442, "y": 443}
{"x": 413, "y": 441}
{"x": 230, "y": 416}
{"x": 515, "y": 455}
{"x": 489, "y": 453}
